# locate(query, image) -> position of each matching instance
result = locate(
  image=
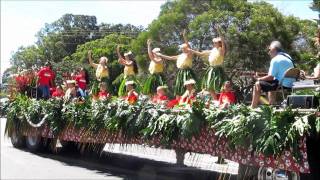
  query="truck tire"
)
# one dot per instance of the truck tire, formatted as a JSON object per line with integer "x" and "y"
{"x": 266, "y": 173}
{"x": 17, "y": 139}
{"x": 34, "y": 143}
{"x": 69, "y": 146}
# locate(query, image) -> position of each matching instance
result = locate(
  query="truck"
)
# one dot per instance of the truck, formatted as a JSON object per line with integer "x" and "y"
{"x": 268, "y": 143}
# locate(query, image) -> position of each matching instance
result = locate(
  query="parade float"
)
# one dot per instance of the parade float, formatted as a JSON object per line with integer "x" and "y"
{"x": 265, "y": 137}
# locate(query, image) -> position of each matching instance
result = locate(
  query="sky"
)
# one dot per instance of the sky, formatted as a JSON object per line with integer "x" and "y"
{"x": 21, "y": 20}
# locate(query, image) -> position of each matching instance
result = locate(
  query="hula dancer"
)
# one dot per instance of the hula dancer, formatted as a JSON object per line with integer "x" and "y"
{"x": 130, "y": 69}
{"x": 214, "y": 75}
{"x": 102, "y": 73}
{"x": 190, "y": 94}
{"x": 155, "y": 68}
{"x": 184, "y": 65}
{"x": 132, "y": 95}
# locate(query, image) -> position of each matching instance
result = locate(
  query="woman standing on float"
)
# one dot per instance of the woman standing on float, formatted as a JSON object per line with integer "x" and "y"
{"x": 156, "y": 69}
{"x": 102, "y": 73}
{"x": 184, "y": 65}
{"x": 214, "y": 75}
{"x": 130, "y": 69}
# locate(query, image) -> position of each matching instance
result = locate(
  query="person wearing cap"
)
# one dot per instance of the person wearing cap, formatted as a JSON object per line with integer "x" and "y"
{"x": 184, "y": 65}
{"x": 279, "y": 64}
{"x": 132, "y": 95}
{"x": 156, "y": 77}
{"x": 214, "y": 75}
{"x": 45, "y": 80}
{"x": 161, "y": 96}
{"x": 73, "y": 91}
{"x": 190, "y": 94}
{"x": 130, "y": 69}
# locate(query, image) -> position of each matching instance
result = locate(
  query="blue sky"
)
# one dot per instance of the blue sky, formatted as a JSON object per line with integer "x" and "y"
{"x": 21, "y": 20}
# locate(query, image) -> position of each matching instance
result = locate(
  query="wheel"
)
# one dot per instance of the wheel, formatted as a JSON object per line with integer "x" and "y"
{"x": 97, "y": 149}
{"x": 91, "y": 149}
{"x": 34, "y": 143}
{"x": 68, "y": 146}
{"x": 248, "y": 172}
{"x": 266, "y": 173}
{"x": 50, "y": 145}
{"x": 17, "y": 140}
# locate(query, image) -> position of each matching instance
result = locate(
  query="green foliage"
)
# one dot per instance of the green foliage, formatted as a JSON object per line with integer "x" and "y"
{"x": 77, "y": 113}
{"x": 263, "y": 130}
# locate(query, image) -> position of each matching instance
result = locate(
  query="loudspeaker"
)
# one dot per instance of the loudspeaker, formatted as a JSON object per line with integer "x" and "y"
{"x": 302, "y": 101}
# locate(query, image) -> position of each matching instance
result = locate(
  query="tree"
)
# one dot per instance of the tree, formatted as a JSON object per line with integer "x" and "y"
{"x": 315, "y": 5}
{"x": 26, "y": 57}
{"x": 247, "y": 27}
{"x": 103, "y": 47}
{"x": 61, "y": 38}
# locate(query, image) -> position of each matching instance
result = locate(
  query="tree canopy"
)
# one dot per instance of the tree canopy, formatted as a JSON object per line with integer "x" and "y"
{"x": 247, "y": 27}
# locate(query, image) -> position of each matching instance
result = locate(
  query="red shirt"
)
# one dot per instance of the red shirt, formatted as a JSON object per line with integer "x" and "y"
{"x": 103, "y": 94}
{"x": 57, "y": 94}
{"x": 227, "y": 97}
{"x": 81, "y": 81}
{"x": 132, "y": 98}
{"x": 159, "y": 98}
{"x": 188, "y": 100}
{"x": 173, "y": 102}
{"x": 45, "y": 75}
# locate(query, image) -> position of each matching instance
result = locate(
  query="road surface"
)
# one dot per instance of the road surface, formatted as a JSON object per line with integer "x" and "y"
{"x": 117, "y": 162}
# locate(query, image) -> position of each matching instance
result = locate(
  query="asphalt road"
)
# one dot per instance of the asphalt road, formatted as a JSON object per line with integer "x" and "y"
{"x": 117, "y": 162}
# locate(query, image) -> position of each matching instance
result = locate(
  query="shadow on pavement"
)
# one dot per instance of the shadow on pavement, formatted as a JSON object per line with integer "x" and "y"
{"x": 131, "y": 167}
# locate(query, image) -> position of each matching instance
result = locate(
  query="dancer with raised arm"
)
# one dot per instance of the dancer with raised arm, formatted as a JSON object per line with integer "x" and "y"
{"x": 130, "y": 69}
{"x": 214, "y": 76}
{"x": 156, "y": 69}
{"x": 184, "y": 65}
{"x": 102, "y": 73}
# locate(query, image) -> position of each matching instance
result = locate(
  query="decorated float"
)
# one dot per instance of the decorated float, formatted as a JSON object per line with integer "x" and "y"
{"x": 266, "y": 138}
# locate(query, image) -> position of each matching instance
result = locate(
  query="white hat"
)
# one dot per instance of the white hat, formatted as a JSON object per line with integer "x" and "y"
{"x": 130, "y": 82}
{"x": 190, "y": 81}
{"x": 156, "y": 50}
{"x": 71, "y": 82}
{"x": 162, "y": 87}
{"x": 127, "y": 53}
{"x": 217, "y": 39}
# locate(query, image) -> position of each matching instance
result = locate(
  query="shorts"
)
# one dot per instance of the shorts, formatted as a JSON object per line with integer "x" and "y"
{"x": 267, "y": 86}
